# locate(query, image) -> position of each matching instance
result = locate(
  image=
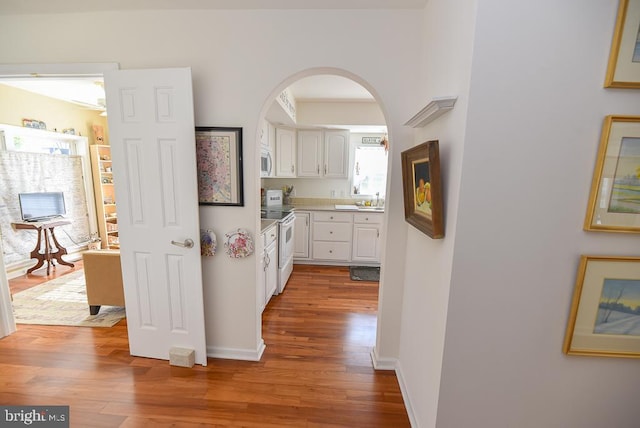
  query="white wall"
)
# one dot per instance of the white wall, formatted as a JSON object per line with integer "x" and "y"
{"x": 240, "y": 61}
{"x": 446, "y": 52}
{"x": 535, "y": 114}
{"x": 338, "y": 113}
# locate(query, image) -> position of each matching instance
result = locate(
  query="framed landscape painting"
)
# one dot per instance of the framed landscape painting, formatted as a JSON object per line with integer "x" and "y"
{"x": 605, "y": 313}
{"x": 623, "y": 70}
{"x": 614, "y": 201}
{"x": 423, "y": 207}
{"x": 219, "y": 158}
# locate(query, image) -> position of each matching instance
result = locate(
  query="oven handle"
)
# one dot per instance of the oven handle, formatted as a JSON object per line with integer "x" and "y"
{"x": 288, "y": 220}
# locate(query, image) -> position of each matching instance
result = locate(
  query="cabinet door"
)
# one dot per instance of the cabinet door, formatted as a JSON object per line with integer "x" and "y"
{"x": 262, "y": 287}
{"x": 285, "y": 152}
{"x": 264, "y": 134}
{"x": 309, "y": 153}
{"x": 271, "y": 272}
{"x": 366, "y": 243}
{"x": 301, "y": 236}
{"x": 336, "y": 154}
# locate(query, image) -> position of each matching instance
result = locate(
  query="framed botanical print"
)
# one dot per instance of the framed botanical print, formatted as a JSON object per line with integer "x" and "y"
{"x": 219, "y": 158}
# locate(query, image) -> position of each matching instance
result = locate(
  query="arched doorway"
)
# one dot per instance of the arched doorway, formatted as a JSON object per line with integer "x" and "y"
{"x": 283, "y": 111}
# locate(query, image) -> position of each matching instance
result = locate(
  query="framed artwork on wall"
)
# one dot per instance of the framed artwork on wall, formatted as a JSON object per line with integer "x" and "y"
{"x": 219, "y": 159}
{"x": 423, "y": 207}
{"x": 614, "y": 201}
{"x": 605, "y": 313}
{"x": 623, "y": 70}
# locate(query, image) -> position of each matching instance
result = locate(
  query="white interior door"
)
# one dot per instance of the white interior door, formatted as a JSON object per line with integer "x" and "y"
{"x": 152, "y": 137}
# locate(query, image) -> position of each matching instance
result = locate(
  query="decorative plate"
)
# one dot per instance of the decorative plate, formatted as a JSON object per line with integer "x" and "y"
{"x": 208, "y": 242}
{"x": 238, "y": 244}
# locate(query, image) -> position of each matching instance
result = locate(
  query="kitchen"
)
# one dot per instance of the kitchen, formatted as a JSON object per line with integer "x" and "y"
{"x": 323, "y": 165}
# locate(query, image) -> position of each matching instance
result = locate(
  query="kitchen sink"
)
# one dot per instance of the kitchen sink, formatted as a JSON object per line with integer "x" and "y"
{"x": 370, "y": 208}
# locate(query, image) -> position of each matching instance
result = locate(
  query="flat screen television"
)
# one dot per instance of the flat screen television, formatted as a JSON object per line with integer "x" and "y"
{"x": 41, "y": 205}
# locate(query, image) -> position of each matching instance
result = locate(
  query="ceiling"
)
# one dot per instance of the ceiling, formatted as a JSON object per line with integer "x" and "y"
{"x": 87, "y": 91}
{"x": 75, "y": 6}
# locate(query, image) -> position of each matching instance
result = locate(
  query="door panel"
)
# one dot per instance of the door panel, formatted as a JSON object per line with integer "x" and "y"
{"x": 152, "y": 135}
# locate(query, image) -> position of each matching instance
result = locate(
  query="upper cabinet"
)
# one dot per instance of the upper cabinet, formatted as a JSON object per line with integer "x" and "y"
{"x": 336, "y": 154}
{"x": 309, "y": 153}
{"x": 285, "y": 152}
{"x": 323, "y": 153}
{"x": 267, "y": 136}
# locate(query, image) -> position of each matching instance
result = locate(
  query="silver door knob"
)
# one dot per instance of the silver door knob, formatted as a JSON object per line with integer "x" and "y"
{"x": 188, "y": 243}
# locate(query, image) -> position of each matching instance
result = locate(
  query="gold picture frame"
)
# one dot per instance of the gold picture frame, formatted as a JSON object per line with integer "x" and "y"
{"x": 623, "y": 70}
{"x": 614, "y": 200}
{"x": 423, "y": 206}
{"x": 605, "y": 313}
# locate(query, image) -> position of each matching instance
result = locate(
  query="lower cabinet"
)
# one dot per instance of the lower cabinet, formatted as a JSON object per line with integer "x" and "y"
{"x": 332, "y": 236}
{"x": 301, "y": 229}
{"x": 269, "y": 264}
{"x": 340, "y": 238}
{"x": 366, "y": 237}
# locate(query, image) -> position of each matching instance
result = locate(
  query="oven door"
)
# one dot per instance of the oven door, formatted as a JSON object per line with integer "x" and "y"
{"x": 286, "y": 240}
{"x": 266, "y": 163}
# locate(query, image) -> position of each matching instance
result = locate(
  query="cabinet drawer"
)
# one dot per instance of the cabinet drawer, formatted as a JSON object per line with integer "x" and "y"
{"x": 332, "y": 216}
{"x": 331, "y": 231}
{"x": 367, "y": 218}
{"x": 331, "y": 250}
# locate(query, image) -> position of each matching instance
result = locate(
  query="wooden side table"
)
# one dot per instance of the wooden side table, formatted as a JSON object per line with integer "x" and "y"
{"x": 45, "y": 230}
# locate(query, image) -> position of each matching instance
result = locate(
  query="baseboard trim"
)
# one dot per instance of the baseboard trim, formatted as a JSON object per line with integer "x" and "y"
{"x": 380, "y": 363}
{"x": 236, "y": 353}
{"x": 394, "y": 364}
{"x": 405, "y": 395}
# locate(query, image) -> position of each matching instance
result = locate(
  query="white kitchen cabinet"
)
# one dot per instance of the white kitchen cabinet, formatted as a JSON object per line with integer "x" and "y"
{"x": 285, "y": 152}
{"x": 264, "y": 134}
{"x": 366, "y": 237}
{"x": 301, "y": 229}
{"x": 267, "y": 136}
{"x": 310, "y": 146}
{"x": 323, "y": 154}
{"x": 269, "y": 265}
{"x": 336, "y": 154}
{"x": 331, "y": 236}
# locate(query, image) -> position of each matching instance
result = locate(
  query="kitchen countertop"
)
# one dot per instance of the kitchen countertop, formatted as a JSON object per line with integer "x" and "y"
{"x": 266, "y": 223}
{"x": 332, "y": 207}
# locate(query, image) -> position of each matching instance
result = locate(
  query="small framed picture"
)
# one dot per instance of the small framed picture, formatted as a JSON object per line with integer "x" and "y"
{"x": 605, "y": 313}
{"x": 219, "y": 158}
{"x": 423, "y": 206}
{"x": 614, "y": 201}
{"x": 623, "y": 70}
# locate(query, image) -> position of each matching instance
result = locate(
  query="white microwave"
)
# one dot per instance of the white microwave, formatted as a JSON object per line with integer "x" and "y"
{"x": 266, "y": 163}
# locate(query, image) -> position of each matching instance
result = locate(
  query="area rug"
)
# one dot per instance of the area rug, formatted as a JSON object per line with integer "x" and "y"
{"x": 364, "y": 273}
{"x": 62, "y": 301}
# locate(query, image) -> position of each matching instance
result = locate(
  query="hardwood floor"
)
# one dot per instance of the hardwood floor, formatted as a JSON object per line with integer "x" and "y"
{"x": 315, "y": 372}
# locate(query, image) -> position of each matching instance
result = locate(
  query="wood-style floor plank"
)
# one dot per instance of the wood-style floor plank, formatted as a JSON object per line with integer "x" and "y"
{"x": 316, "y": 370}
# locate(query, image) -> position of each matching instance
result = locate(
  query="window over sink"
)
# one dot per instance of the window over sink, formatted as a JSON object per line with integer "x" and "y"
{"x": 369, "y": 175}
